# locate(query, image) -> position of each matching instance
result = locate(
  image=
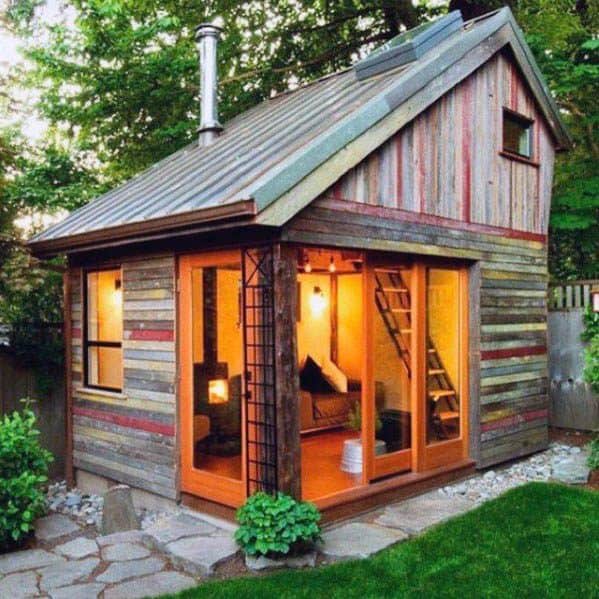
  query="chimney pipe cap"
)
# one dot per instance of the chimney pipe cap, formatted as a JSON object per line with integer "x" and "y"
{"x": 208, "y": 30}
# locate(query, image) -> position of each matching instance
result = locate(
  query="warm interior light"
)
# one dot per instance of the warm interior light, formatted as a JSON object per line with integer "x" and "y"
{"x": 318, "y": 302}
{"x": 595, "y": 294}
{"x": 218, "y": 391}
{"x": 307, "y": 266}
{"x": 117, "y": 294}
{"x": 332, "y": 267}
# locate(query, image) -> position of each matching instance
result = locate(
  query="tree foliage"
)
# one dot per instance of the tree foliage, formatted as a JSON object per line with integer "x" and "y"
{"x": 563, "y": 37}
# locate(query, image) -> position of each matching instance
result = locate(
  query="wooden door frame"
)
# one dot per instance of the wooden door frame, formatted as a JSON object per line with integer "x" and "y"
{"x": 197, "y": 482}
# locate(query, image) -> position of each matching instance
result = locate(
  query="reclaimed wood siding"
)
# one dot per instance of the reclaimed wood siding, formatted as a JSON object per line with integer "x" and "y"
{"x": 131, "y": 439}
{"x": 446, "y": 162}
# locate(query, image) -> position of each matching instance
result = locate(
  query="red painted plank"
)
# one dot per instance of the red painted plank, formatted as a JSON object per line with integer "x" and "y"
{"x": 142, "y": 424}
{"x": 76, "y": 333}
{"x": 149, "y": 335}
{"x": 513, "y": 420}
{"x": 514, "y": 352}
{"x": 408, "y": 216}
{"x": 399, "y": 164}
{"x": 466, "y": 156}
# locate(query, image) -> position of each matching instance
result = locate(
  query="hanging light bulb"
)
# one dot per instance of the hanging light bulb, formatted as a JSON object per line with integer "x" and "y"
{"x": 332, "y": 267}
{"x": 307, "y": 265}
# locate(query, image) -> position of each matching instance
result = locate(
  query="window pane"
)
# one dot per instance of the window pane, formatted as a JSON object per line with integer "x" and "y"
{"x": 104, "y": 367}
{"x": 516, "y": 135}
{"x": 392, "y": 362}
{"x": 443, "y": 355}
{"x": 104, "y": 306}
{"x": 217, "y": 369}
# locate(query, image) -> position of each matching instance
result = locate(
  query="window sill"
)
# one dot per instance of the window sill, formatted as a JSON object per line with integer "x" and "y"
{"x": 100, "y": 392}
{"x": 519, "y": 158}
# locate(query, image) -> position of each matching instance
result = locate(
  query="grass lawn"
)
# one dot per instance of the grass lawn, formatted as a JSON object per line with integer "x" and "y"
{"x": 540, "y": 540}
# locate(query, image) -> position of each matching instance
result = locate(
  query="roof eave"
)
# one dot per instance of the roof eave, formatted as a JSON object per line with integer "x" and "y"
{"x": 243, "y": 211}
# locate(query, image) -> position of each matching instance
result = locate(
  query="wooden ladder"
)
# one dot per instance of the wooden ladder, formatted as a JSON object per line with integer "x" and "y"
{"x": 393, "y": 302}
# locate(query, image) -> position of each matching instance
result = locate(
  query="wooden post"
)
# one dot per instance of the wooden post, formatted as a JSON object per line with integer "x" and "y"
{"x": 67, "y": 335}
{"x": 334, "y": 319}
{"x": 286, "y": 368}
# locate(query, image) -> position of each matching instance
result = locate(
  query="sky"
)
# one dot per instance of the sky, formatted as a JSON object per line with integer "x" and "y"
{"x": 10, "y": 57}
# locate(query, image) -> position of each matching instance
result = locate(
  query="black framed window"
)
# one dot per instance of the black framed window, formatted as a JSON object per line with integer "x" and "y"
{"x": 517, "y": 134}
{"x": 103, "y": 329}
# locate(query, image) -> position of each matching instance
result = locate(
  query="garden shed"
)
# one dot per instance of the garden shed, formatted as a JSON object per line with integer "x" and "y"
{"x": 340, "y": 294}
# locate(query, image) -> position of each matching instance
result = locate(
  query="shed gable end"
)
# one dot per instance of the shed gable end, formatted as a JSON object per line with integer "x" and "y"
{"x": 448, "y": 162}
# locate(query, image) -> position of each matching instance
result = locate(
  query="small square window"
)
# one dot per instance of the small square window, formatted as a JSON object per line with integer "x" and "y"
{"x": 517, "y": 134}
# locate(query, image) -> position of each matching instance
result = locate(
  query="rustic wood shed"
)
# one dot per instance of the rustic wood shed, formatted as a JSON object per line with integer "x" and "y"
{"x": 342, "y": 295}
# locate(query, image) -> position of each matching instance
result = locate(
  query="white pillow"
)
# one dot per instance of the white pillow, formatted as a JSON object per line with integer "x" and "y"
{"x": 334, "y": 376}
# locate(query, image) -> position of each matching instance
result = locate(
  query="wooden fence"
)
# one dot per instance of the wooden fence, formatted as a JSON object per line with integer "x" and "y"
{"x": 18, "y": 382}
{"x": 572, "y": 401}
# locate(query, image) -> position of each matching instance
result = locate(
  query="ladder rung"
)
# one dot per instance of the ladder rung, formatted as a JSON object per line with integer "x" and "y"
{"x": 405, "y": 331}
{"x": 389, "y": 271}
{"x": 448, "y": 415}
{"x": 434, "y": 371}
{"x": 395, "y": 289}
{"x": 401, "y": 310}
{"x": 432, "y": 350}
{"x": 438, "y": 393}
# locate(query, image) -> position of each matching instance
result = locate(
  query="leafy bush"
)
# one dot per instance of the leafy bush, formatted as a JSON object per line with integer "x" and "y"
{"x": 23, "y": 472}
{"x": 593, "y": 461}
{"x": 277, "y": 525}
{"x": 591, "y": 351}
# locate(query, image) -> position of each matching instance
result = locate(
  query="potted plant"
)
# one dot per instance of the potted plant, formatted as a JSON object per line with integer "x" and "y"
{"x": 352, "y": 457}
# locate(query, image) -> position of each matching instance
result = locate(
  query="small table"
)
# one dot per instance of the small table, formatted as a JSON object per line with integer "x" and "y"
{"x": 351, "y": 458}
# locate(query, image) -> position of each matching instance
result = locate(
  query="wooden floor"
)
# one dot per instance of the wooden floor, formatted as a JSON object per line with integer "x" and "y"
{"x": 321, "y": 464}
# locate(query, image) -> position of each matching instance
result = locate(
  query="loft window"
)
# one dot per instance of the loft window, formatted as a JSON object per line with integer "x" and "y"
{"x": 103, "y": 330}
{"x": 517, "y": 134}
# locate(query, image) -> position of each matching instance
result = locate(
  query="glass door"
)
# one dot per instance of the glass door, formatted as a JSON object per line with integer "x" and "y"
{"x": 445, "y": 348}
{"x": 391, "y": 351}
{"x": 211, "y": 358}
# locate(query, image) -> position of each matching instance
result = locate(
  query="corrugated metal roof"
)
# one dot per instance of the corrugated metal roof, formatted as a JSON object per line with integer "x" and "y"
{"x": 251, "y": 144}
{"x": 265, "y": 151}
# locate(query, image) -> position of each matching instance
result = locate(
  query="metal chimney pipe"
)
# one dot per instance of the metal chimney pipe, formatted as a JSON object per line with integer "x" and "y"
{"x": 207, "y": 35}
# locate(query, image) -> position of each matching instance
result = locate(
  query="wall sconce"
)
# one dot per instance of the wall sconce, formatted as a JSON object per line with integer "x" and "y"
{"x": 318, "y": 302}
{"x": 117, "y": 293}
{"x": 218, "y": 391}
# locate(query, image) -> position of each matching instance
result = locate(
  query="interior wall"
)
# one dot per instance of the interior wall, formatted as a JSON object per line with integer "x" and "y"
{"x": 349, "y": 324}
{"x": 388, "y": 367}
{"x": 230, "y": 348}
{"x": 443, "y": 318}
{"x": 228, "y": 316}
{"x": 314, "y": 331}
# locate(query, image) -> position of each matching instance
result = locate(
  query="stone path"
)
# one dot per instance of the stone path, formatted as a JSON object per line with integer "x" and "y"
{"x": 174, "y": 552}
{"x": 177, "y": 550}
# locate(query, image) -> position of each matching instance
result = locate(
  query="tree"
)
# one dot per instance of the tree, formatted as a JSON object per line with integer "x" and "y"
{"x": 123, "y": 81}
{"x": 563, "y": 36}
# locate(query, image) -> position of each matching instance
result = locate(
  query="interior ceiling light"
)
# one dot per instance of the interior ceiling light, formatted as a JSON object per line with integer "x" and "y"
{"x": 332, "y": 267}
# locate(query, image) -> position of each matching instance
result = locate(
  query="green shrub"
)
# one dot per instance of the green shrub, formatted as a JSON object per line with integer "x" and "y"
{"x": 593, "y": 460}
{"x": 277, "y": 525}
{"x": 23, "y": 472}
{"x": 591, "y": 351}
